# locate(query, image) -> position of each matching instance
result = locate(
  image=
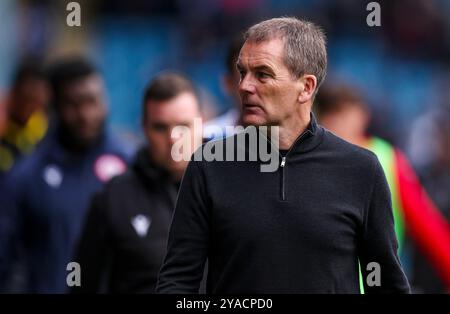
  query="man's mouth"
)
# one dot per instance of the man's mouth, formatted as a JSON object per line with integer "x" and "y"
{"x": 251, "y": 105}
{"x": 251, "y": 108}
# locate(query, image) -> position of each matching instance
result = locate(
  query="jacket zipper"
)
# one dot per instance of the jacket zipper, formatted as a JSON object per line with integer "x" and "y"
{"x": 283, "y": 166}
{"x": 283, "y": 163}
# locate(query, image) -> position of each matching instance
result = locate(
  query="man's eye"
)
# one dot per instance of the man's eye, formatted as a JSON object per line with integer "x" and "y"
{"x": 263, "y": 75}
{"x": 159, "y": 127}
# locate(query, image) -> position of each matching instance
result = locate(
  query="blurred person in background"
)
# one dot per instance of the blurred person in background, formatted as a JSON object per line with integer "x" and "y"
{"x": 3, "y": 200}
{"x": 52, "y": 187}
{"x": 216, "y": 128}
{"x": 23, "y": 123}
{"x": 429, "y": 148}
{"x": 26, "y": 116}
{"x": 124, "y": 239}
{"x": 343, "y": 111}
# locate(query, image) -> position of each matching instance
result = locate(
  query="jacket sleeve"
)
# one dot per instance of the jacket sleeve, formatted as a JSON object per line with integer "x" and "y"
{"x": 430, "y": 229}
{"x": 378, "y": 243}
{"x": 93, "y": 250}
{"x": 188, "y": 242}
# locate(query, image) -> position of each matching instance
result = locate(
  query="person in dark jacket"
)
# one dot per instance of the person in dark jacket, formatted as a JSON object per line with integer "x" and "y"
{"x": 50, "y": 189}
{"x": 304, "y": 227}
{"x": 23, "y": 123}
{"x": 124, "y": 239}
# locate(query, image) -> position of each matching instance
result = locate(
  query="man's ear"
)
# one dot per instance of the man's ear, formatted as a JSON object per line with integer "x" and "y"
{"x": 309, "y": 83}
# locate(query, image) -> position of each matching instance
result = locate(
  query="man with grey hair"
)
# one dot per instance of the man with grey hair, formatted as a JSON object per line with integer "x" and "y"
{"x": 304, "y": 228}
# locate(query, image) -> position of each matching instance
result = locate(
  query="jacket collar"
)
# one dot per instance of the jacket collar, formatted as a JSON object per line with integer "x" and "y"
{"x": 147, "y": 169}
{"x": 309, "y": 139}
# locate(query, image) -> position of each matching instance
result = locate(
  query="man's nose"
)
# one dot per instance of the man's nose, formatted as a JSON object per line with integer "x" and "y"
{"x": 246, "y": 85}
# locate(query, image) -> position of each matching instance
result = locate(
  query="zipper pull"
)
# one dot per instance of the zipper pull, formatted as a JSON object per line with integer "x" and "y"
{"x": 283, "y": 161}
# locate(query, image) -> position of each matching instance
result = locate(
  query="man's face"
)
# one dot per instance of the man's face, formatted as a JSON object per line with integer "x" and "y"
{"x": 83, "y": 109}
{"x": 161, "y": 118}
{"x": 268, "y": 91}
{"x": 349, "y": 123}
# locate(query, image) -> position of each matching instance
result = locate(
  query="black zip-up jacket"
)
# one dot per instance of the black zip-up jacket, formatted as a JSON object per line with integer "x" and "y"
{"x": 125, "y": 235}
{"x": 300, "y": 229}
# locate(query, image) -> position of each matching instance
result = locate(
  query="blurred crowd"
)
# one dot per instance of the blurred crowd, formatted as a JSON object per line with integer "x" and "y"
{"x": 86, "y": 172}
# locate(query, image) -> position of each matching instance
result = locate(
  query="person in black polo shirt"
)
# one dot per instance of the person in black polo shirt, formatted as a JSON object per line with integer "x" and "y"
{"x": 303, "y": 228}
{"x": 124, "y": 238}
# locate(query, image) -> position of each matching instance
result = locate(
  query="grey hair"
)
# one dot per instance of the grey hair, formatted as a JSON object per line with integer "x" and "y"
{"x": 304, "y": 44}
